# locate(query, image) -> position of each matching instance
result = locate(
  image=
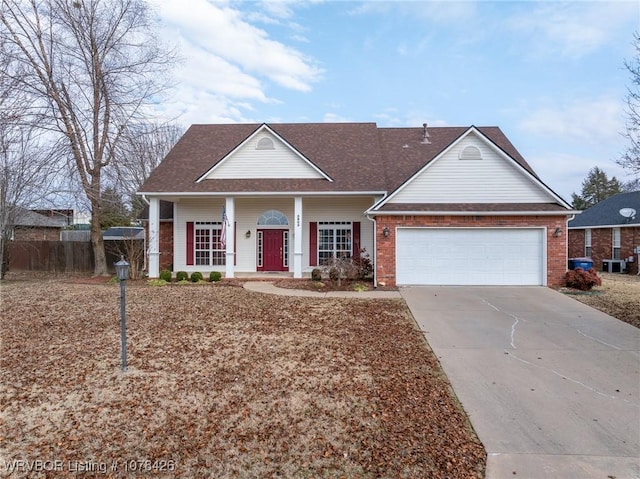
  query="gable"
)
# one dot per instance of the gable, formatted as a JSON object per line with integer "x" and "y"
{"x": 264, "y": 155}
{"x": 472, "y": 170}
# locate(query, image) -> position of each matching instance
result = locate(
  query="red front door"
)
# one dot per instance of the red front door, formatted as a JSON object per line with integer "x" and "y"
{"x": 273, "y": 250}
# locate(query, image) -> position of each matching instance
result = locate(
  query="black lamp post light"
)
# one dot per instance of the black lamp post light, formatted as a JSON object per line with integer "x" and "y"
{"x": 122, "y": 271}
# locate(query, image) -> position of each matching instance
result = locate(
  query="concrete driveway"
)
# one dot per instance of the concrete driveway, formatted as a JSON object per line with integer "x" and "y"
{"x": 552, "y": 386}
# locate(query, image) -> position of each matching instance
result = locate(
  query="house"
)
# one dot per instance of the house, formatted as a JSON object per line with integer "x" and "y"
{"x": 41, "y": 225}
{"x": 445, "y": 205}
{"x": 609, "y": 233}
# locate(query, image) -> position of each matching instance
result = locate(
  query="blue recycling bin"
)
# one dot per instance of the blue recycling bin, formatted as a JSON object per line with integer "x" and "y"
{"x": 584, "y": 263}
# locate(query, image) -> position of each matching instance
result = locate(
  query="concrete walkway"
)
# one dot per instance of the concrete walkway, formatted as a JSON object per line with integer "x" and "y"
{"x": 269, "y": 288}
{"x": 552, "y": 386}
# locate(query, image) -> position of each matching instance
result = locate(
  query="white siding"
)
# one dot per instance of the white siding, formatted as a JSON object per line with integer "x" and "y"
{"x": 248, "y": 210}
{"x": 493, "y": 179}
{"x": 249, "y": 162}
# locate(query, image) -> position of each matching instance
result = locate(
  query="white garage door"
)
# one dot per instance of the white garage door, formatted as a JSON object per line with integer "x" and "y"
{"x": 470, "y": 256}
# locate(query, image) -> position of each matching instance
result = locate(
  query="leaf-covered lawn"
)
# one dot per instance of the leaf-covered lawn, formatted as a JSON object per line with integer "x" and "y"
{"x": 222, "y": 382}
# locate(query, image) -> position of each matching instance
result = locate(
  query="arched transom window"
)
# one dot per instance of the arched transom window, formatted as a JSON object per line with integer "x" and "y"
{"x": 272, "y": 218}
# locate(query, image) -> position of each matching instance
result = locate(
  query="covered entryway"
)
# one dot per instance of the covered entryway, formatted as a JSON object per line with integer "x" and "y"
{"x": 470, "y": 256}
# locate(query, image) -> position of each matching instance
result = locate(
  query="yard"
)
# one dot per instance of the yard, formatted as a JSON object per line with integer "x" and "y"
{"x": 619, "y": 296}
{"x": 222, "y": 382}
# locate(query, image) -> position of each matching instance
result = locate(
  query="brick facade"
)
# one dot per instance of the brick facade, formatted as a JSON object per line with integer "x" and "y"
{"x": 556, "y": 247}
{"x": 165, "y": 246}
{"x": 602, "y": 245}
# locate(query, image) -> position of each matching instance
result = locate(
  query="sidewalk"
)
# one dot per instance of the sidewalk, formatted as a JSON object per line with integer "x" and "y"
{"x": 269, "y": 288}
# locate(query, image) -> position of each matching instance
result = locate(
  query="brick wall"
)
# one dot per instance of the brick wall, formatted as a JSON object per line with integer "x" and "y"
{"x": 556, "y": 247}
{"x": 165, "y": 244}
{"x": 602, "y": 245}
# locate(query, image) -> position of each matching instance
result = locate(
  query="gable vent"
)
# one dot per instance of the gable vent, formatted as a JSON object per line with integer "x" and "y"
{"x": 265, "y": 144}
{"x": 471, "y": 153}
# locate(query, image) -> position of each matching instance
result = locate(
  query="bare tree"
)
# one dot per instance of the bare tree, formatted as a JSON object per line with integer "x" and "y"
{"x": 24, "y": 169}
{"x": 143, "y": 146}
{"x": 631, "y": 158}
{"x": 93, "y": 66}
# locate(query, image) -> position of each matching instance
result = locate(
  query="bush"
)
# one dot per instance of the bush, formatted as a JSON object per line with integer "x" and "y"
{"x": 363, "y": 265}
{"x": 165, "y": 275}
{"x": 215, "y": 276}
{"x": 196, "y": 277}
{"x": 157, "y": 282}
{"x": 181, "y": 276}
{"x": 334, "y": 274}
{"x": 316, "y": 274}
{"x": 583, "y": 280}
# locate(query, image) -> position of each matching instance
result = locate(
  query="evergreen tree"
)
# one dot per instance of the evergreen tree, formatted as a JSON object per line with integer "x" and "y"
{"x": 595, "y": 188}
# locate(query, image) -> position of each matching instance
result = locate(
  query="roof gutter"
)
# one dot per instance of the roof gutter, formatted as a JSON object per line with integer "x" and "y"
{"x": 473, "y": 213}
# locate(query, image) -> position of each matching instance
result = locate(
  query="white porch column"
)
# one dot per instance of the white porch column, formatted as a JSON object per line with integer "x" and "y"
{"x": 231, "y": 234}
{"x": 297, "y": 237}
{"x": 154, "y": 237}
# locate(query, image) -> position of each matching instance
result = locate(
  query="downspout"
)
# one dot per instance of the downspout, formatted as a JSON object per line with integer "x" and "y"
{"x": 375, "y": 250}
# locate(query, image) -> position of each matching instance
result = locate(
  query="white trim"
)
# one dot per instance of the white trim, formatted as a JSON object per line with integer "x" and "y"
{"x": 230, "y": 212}
{"x": 154, "y": 238}
{"x": 213, "y": 194}
{"x": 258, "y": 131}
{"x": 469, "y": 213}
{"x": 298, "y": 221}
{"x": 595, "y": 227}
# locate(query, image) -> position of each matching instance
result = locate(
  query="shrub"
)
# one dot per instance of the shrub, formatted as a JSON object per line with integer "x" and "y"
{"x": 583, "y": 280}
{"x": 316, "y": 274}
{"x": 363, "y": 265}
{"x": 181, "y": 276}
{"x": 157, "y": 282}
{"x": 165, "y": 275}
{"x": 334, "y": 274}
{"x": 215, "y": 276}
{"x": 196, "y": 276}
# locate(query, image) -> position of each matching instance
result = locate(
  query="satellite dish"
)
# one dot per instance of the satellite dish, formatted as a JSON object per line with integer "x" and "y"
{"x": 628, "y": 212}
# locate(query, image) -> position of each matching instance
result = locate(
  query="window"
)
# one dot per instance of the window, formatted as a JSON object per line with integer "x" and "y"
{"x": 208, "y": 249}
{"x": 587, "y": 243}
{"x": 265, "y": 144}
{"x": 272, "y": 218}
{"x": 616, "y": 243}
{"x": 471, "y": 153}
{"x": 334, "y": 241}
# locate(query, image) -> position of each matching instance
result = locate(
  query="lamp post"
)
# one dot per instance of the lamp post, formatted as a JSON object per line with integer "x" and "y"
{"x": 122, "y": 271}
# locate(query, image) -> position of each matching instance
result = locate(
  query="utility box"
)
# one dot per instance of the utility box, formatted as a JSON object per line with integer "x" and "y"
{"x": 614, "y": 266}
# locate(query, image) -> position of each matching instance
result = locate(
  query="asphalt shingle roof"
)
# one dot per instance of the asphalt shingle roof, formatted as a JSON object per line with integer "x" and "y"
{"x": 357, "y": 156}
{"x": 607, "y": 212}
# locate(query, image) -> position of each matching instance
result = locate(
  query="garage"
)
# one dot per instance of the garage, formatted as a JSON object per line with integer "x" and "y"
{"x": 470, "y": 256}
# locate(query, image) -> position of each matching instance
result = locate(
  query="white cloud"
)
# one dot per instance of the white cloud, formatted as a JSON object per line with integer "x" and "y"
{"x": 571, "y": 29}
{"x": 228, "y": 63}
{"x": 222, "y": 31}
{"x": 335, "y": 118}
{"x": 591, "y": 121}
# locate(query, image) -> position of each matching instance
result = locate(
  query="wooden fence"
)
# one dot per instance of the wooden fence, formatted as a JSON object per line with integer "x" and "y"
{"x": 55, "y": 256}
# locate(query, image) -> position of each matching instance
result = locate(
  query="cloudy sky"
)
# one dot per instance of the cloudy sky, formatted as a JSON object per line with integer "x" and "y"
{"x": 550, "y": 74}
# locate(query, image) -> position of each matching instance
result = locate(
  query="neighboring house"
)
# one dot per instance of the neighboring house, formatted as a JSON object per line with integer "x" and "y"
{"x": 609, "y": 233}
{"x": 34, "y": 226}
{"x": 446, "y": 205}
